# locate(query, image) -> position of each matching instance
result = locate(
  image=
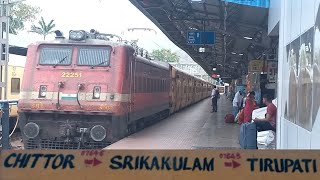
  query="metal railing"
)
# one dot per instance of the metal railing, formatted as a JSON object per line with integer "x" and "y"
{"x": 4, "y": 122}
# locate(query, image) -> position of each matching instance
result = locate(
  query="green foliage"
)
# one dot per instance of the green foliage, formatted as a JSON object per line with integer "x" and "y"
{"x": 21, "y": 13}
{"x": 43, "y": 28}
{"x": 165, "y": 55}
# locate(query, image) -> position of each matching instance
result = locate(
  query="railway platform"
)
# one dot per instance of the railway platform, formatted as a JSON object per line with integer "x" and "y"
{"x": 192, "y": 128}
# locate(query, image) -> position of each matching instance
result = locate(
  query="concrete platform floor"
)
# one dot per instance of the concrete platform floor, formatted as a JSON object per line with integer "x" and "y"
{"x": 193, "y": 128}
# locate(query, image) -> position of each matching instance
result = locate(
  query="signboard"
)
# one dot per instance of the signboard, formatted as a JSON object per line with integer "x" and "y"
{"x": 272, "y": 71}
{"x": 160, "y": 165}
{"x": 200, "y": 38}
{"x": 256, "y": 66}
{"x": 256, "y": 3}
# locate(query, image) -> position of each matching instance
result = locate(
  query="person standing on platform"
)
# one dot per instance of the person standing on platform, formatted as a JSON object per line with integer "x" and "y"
{"x": 214, "y": 97}
{"x": 236, "y": 103}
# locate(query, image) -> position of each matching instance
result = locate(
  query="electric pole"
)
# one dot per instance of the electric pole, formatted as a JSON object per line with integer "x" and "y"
{"x": 4, "y": 49}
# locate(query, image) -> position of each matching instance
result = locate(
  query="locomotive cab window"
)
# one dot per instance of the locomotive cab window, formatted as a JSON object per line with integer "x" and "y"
{"x": 96, "y": 56}
{"x": 15, "y": 85}
{"x": 55, "y": 56}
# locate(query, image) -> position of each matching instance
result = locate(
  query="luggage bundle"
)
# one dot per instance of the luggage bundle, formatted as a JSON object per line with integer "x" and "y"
{"x": 229, "y": 118}
{"x": 248, "y": 136}
{"x": 240, "y": 117}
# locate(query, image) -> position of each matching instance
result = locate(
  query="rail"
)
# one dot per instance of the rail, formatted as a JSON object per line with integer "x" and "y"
{"x": 4, "y": 122}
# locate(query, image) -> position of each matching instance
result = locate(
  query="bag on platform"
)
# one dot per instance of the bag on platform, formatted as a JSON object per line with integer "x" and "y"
{"x": 229, "y": 118}
{"x": 248, "y": 136}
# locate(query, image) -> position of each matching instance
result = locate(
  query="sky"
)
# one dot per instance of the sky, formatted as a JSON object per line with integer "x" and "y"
{"x": 108, "y": 16}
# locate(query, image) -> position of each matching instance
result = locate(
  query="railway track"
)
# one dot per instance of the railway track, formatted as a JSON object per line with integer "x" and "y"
{"x": 15, "y": 141}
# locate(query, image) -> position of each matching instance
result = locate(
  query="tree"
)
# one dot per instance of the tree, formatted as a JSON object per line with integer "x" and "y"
{"x": 43, "y": 28}
{"x": 165, "y": 55}
{"x": 21, "y": 13}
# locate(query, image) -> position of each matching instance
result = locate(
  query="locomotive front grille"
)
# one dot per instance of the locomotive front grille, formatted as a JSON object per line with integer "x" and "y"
{"x": 50, "y": 144}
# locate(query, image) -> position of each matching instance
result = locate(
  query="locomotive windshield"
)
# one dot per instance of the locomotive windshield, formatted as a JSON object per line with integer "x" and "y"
{"x": 94, "y": 56}
{"x": 55, "y": 55}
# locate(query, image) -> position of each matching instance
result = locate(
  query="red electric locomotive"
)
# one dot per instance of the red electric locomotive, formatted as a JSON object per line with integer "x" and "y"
{"x": 87, "y": 92}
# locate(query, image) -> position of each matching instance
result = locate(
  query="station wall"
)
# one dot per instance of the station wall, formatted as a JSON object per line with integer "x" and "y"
{"x": 299, "y": 75}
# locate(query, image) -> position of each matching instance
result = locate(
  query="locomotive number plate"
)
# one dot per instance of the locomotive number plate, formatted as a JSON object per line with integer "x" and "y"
{"x": 37, "y": 106}
{"x": 71, "y": 74}
{"x": 105, "y": 107}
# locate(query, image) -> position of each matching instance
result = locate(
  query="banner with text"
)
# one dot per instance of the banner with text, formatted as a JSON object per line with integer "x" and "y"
{"x": 160, "y": 164}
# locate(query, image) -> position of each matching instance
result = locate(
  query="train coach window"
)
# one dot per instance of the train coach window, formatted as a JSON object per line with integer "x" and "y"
{"x": 94, "y": 56}
{"x": 55, "y": 55}
{"x": 15, "y": 85}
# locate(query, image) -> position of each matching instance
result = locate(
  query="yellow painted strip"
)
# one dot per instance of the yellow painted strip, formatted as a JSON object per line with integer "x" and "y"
{"x": 160, "y": 165}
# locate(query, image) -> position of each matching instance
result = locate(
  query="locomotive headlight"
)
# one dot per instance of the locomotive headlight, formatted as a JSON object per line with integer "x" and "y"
{"x": 42, "y": 91}
{"x": 31, "y": 130}
{"x": 77, "y": 35}
{"x": 96, "y": 92}
{"x": 98, "y": 133}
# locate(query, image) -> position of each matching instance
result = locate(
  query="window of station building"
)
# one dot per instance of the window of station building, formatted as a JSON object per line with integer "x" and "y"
{"x": 15, "y": 85}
